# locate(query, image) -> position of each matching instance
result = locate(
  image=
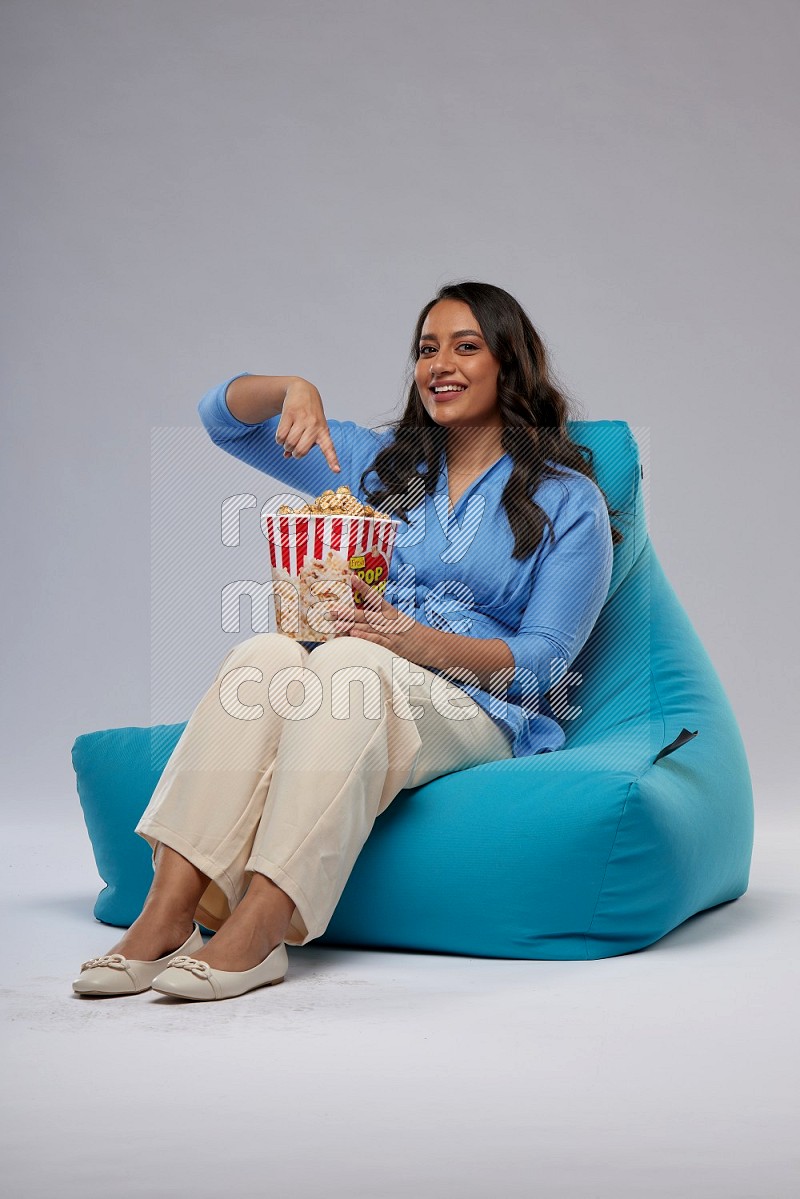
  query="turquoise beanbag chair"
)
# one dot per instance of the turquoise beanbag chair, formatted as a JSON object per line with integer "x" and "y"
{"x": 644, "y": 818}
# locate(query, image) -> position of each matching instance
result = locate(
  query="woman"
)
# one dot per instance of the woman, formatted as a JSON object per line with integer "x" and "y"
{"x": 502, "y": 566}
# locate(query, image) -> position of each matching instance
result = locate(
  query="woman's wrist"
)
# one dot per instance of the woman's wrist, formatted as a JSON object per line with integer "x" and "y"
{"x": 423, "y": 646}
{"x": 484, "y": 657}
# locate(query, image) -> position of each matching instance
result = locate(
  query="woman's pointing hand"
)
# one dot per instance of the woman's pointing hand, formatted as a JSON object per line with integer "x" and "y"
{"x": 303, "y": 424}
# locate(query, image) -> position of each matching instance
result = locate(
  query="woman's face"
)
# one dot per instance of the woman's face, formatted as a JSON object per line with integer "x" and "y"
{"x": 453, "y": 353}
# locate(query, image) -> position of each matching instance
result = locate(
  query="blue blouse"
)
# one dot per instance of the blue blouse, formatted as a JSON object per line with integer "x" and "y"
{"x": 452, "y": 568}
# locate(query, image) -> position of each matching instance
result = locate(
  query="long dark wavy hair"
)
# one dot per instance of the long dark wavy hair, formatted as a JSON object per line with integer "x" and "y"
{"x": 533, "y": 410}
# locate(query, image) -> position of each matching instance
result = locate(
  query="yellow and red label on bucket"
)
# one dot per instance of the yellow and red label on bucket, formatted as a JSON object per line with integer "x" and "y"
{"x": 373, "y": 568}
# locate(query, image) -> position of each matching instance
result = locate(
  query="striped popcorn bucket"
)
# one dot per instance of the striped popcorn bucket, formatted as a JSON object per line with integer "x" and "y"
{"x": 312, "y": 558}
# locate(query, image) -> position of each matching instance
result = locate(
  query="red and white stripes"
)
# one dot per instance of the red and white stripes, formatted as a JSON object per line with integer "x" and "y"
{"x": 295, "y": 538}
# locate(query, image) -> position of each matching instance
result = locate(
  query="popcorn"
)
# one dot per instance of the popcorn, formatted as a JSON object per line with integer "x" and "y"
{"x": 340, "y": 502}
{"x": 314, "y": 550}
{"x": 302, "y": 599}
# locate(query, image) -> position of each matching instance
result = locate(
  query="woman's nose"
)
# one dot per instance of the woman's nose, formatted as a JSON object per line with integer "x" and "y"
{"x": 440, "y": 362}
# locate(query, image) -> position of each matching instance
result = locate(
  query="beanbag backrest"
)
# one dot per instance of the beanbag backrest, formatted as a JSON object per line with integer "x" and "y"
{"x": 617, "y": 465}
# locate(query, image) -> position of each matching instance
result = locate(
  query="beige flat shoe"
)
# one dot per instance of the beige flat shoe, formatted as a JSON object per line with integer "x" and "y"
{"x": 114, "y": 974}
{"x": 187, "y": 978}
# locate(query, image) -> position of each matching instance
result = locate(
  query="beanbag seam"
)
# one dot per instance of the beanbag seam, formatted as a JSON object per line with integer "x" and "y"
{"x": 634, "y": 783}
{"x": 587, "y": 934}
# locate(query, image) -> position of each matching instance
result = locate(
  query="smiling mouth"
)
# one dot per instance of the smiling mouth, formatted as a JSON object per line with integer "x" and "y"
{"x": 447, "y": 392}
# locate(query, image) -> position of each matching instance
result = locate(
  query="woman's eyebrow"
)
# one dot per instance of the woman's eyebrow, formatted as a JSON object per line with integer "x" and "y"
{"x": 458, "y": 333}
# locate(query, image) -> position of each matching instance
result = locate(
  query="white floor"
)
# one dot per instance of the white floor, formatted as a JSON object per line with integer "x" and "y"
{"x": 669, "y": 1072}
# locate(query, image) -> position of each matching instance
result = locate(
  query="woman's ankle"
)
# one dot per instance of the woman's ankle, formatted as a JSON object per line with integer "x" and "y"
{"x": 264, "y": 919}
{"x": 165, "y": 915}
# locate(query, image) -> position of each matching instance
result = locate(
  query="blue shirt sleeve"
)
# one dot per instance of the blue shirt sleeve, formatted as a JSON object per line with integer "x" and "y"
{"x": 570, "y": 585}
{"x": 356, "y": 446}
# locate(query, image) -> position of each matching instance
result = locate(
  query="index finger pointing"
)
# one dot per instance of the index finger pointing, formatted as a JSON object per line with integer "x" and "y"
{"x": 326, "y": 445}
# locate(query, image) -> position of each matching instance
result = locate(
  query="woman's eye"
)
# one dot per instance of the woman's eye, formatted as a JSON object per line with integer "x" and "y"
{"x": 468, "y": 344}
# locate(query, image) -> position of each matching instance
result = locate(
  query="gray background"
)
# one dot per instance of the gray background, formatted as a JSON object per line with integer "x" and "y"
{"x": 196, "y": 189}
{"x": 192, "y": 189}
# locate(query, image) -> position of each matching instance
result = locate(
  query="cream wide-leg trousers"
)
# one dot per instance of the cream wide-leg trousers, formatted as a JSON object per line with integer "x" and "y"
{"x": 291, "y": 755}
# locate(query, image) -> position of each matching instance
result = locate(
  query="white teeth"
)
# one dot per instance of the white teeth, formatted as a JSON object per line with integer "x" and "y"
{"x": 450, "y": 387}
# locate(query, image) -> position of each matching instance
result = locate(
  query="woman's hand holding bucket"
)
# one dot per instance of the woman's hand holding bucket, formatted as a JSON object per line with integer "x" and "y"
{"x": 370, "y": 617}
